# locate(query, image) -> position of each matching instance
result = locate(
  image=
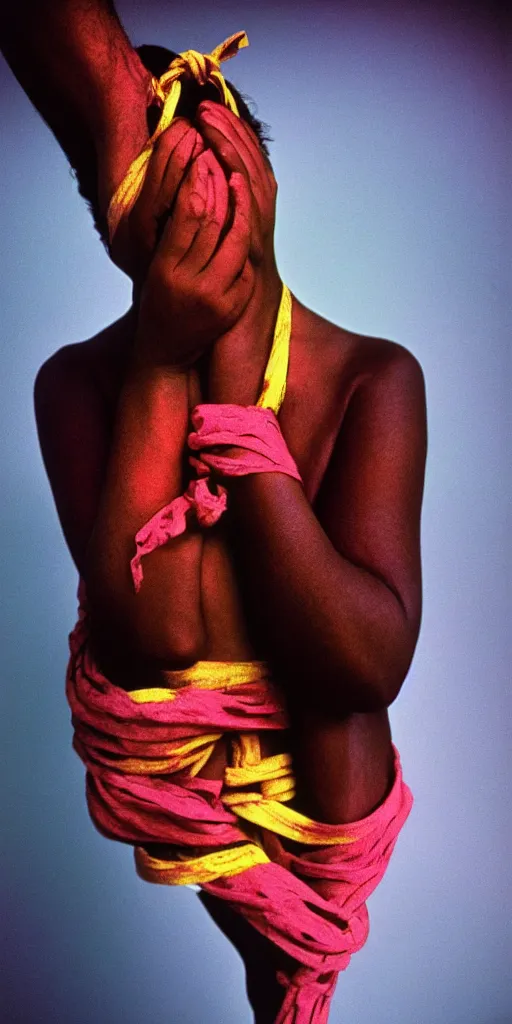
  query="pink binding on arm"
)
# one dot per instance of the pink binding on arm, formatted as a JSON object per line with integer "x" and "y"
{"x": 255, "y": 432}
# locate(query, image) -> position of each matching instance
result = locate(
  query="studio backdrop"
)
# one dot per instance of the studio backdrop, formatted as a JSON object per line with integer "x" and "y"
{"x": 388, "y": 129}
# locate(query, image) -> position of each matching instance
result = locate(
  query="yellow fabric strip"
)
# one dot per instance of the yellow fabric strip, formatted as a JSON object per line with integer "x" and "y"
{"x": 189, "y": 870}
{"x": 207, "y": 675}
{"x": 264, "y": 808}
{"x": 195, "y": 753}
{"x": 288, "y": 823}
{"x": 275, "y": 776}
{"x": 274, "y": 382}
{"x": 152, "y": 695}
{"x": 200, "y": 760}
{"x": 275, "y": 767}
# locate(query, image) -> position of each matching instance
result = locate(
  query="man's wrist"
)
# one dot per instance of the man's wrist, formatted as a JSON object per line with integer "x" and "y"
{"x": 232, "y": 382}
{"x": 142, "y": 362}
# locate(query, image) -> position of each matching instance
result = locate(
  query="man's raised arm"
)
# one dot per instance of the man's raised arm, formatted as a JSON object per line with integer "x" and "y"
{"x": 77, "y": 66}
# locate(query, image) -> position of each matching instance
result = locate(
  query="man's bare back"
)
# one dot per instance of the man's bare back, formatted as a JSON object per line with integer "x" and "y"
{"x": 353, "y": 752}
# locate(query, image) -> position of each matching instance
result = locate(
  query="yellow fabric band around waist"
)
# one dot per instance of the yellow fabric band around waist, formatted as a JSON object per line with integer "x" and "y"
{"x": 259, "y": 809}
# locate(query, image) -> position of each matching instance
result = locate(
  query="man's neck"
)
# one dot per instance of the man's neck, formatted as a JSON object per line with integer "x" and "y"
{"x": 128, "y": 323}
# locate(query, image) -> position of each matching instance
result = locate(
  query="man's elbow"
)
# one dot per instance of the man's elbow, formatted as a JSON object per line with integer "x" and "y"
{"x": 388, "y": 660}
{"x": 373, "y": 686}
{"x": 356, "y": 695}
{"x": 380, "y": 686}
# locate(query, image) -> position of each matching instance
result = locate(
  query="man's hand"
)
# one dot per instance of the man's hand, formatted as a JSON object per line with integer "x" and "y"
{"x": 237, "y": 149}
{"x": 239, "y": 356}
{"x": 198, "y": 283}
{"x": 135, "y": 240}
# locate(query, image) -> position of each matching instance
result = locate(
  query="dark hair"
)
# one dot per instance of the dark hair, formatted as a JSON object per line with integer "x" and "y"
{"x": 157, "y": 59}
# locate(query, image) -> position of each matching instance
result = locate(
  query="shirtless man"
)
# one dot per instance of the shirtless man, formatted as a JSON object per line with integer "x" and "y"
{"x": 323, "y": 581}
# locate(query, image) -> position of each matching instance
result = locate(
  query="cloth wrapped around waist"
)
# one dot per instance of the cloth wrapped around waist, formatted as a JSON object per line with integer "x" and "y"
{"x": 143, "y": 750}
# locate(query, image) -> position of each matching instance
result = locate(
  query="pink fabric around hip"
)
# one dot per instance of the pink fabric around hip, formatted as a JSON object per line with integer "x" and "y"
{"x": 161, "y": 805}
{"x": 320, "y": 933}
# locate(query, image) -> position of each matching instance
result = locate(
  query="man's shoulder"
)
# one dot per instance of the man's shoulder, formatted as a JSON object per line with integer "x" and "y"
{"x": 67, "y": 364}
{"x": 384, "y": 373}
{"x": 367, "y": 355}
{"x": 377, "y": 351}
{"x": 77, "y": 353}
{"x": 92, "y": 360}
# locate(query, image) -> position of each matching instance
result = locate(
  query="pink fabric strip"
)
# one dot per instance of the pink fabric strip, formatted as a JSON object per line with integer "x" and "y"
{"x": 170, "y": 521}
{"x": 277, "y": 898}
{"x": 254, "y": 430}
{"x": 321, "y": 933}
{"x": 261, "y": 448}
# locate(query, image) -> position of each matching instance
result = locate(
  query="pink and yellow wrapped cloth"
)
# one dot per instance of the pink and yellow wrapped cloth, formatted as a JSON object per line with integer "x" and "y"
{"x": 143, "y": 749}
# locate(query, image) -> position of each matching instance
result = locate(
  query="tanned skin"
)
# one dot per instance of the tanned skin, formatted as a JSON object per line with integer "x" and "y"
{"x": 322, "y": 580}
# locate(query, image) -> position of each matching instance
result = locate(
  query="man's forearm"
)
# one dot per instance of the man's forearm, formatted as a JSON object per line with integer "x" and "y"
{"x": 77, "y": 66}
{"x": 145, "y": 472}
{"x": 337, "y": 633}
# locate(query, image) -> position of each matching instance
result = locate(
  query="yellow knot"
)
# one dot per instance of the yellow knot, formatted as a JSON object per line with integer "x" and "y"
{"x": 190, "y": 64}
{"x": 204, "y": 67}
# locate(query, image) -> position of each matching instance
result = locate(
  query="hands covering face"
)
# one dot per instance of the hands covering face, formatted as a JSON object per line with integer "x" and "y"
{"x": 237, "y": 148}
{"x": 135, "y": 240}
{"x": 234, "y": 147}
{"x": 200, "y": 231}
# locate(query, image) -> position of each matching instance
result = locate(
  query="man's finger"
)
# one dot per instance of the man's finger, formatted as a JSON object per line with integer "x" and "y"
{"x": 167, "y": 167}
{"x": 182, "y": 227}
{"x": 226, "y": 116}
{"x": 236, "y": 145}
{"x": 213, "y": 181}
{"x": 232, "y": 157}
{"x": 236, "y": 151}
{"x": 232, "y": 254}
{"x": 175, "y": 148}
{"x": 243, "y": 136}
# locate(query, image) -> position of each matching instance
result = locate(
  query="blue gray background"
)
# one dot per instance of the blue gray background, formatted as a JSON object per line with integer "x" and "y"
{"x": 389, "y": 151}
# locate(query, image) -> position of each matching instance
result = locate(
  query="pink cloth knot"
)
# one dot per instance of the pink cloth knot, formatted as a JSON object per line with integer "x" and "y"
{"x": 170, "y": 521}
{"x": 252, "y": 429}
{"x": 255, "y": 432}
